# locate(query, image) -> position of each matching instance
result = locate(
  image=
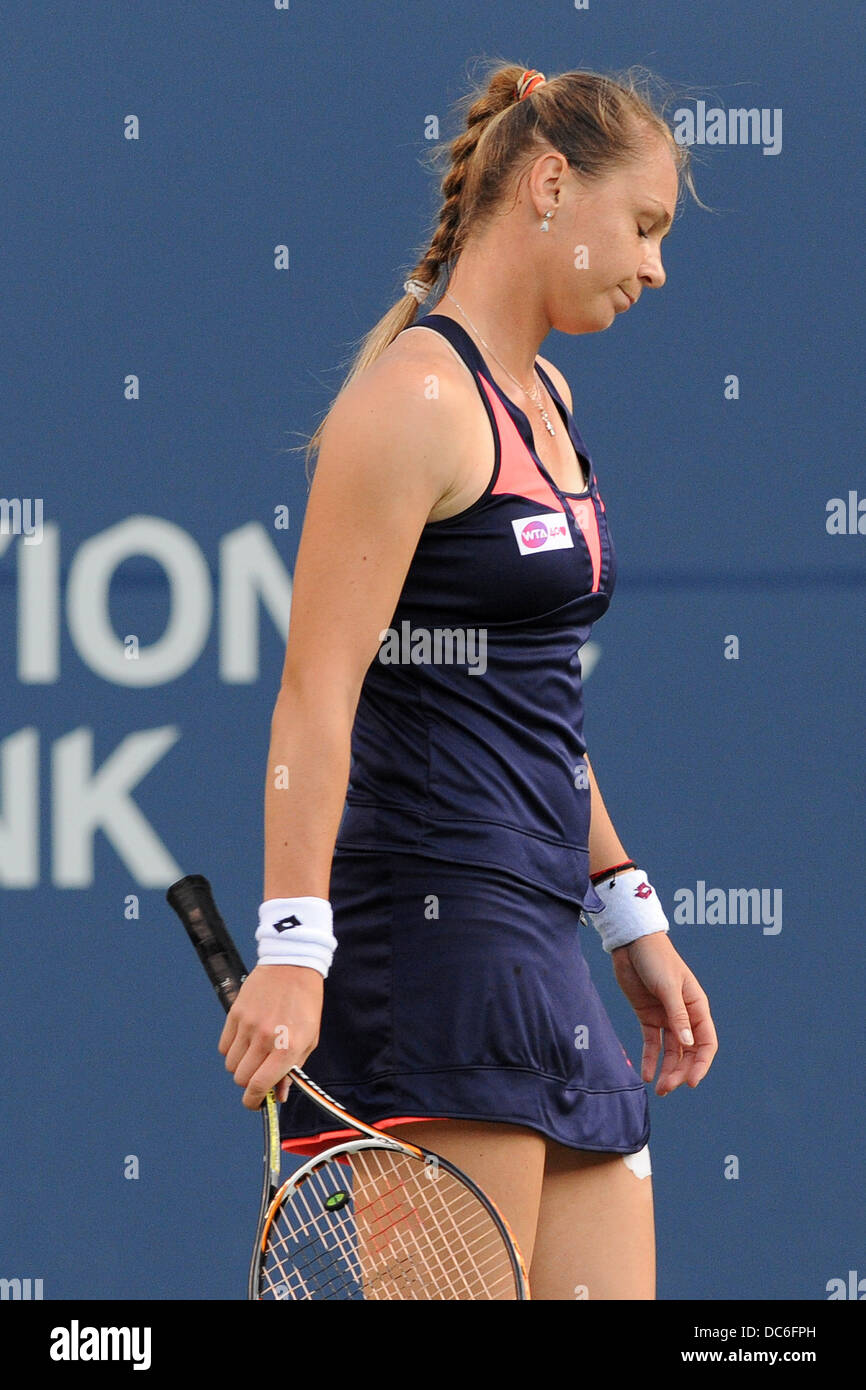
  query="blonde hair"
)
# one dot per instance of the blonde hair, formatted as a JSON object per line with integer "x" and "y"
{"x": 597, "y": 122}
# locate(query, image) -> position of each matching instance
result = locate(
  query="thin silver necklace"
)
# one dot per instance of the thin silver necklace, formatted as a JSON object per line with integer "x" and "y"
{"x": 535, "y": 396}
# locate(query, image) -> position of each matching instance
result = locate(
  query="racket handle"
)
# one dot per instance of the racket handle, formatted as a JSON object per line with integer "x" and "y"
{"x": 193, "y": 901}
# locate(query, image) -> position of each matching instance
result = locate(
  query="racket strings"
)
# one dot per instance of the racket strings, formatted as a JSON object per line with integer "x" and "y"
{"x": 310, "y": 1254}
{"x": 444, "y": 1265}
{"x": 402, "y": 1228}
{"x": 455, "y": 1248}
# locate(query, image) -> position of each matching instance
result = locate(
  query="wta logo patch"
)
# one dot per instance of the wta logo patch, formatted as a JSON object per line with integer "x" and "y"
{"x": 547, "y": 531}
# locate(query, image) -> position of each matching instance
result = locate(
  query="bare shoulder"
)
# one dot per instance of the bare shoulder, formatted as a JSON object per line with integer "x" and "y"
{"x": 558, "y": 380}
{"x": 427, "y": 356}
{"x": 407, "y": 415}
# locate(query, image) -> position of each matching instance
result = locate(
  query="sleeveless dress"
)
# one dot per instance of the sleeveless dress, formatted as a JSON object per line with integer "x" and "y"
{"x": 460, "y": 873}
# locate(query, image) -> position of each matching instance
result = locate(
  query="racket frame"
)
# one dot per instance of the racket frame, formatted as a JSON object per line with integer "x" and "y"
{"x": 192, "y": 899}
{"x": 380, "y": 1141}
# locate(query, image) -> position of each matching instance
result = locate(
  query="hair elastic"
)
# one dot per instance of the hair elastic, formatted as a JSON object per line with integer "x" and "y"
{"x": 419, "y": 290}
{"x": 530, "y": 79}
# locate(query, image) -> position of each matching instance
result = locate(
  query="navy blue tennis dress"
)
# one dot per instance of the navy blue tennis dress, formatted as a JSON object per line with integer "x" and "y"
{"x": 459, "y": 988}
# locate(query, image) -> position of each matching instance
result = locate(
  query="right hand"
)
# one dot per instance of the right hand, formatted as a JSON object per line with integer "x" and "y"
{"x": 273, "y": 1025}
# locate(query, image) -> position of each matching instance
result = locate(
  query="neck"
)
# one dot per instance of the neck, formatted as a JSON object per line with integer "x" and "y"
{"x": 493, "y": 295}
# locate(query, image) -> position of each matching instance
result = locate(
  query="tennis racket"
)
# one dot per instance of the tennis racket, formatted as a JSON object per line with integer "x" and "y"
{"x": 370, "y": 1218}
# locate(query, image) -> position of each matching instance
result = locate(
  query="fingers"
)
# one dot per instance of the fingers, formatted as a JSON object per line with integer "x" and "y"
{"x": 228, "y": 1033}
{"x": 272, "y": 1026}
{"x": 706, "y": 1044}
{"x": 259, "y": 1064}
{"x": 651, "y": 1049}
{"x": 678, "y": 1038}
{"x": 236, "y": 1052}
{"x": 688, "y": 1018}
{"x": 263, "y": 1080}
{"x": 258, "y": 1058}
{"x": 674, "y": 1063}
{"x": 261, "y": 1068}
{"x": 705, "y": 1048}
{"x": 668, "y": 1001}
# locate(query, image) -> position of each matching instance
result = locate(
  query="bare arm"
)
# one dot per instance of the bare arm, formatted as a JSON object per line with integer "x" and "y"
{"x": 386, "y": 458}
{"x": 383, "y": 464}
{"x": 605, "y": 846}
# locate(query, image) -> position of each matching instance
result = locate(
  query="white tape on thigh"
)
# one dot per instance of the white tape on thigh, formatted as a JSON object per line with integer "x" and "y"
{"x": 639, "y": 1163}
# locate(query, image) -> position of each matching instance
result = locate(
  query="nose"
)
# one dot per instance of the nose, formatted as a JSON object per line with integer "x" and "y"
{"x": 652, "y": 272}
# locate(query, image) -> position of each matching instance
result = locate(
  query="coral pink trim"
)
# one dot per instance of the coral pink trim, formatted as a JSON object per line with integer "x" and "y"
{"x": 310, "y": 1145}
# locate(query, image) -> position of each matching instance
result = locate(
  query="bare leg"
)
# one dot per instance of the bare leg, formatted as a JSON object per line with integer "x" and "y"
{"x": 506, "y": 1161}
{"x": 595, "y": 1237}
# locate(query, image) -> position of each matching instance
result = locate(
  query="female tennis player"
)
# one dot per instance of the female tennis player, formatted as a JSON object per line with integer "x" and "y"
{"x": 434, "y": 829}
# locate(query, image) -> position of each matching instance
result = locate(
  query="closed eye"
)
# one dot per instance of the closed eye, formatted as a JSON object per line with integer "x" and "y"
{"x": 641, "y": 232}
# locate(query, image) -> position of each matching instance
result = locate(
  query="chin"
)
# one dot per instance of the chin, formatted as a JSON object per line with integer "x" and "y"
{"x": 586, "y": 322}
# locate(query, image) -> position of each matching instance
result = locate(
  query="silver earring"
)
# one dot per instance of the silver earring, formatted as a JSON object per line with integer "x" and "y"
{"x": 545, "y": 226}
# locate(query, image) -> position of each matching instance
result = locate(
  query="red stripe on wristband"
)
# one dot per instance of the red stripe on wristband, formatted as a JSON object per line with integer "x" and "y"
{"x": 614, "y": 868}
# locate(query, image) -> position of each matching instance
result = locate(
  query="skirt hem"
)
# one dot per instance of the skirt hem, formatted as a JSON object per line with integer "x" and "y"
{"x": 569, "y": 1115}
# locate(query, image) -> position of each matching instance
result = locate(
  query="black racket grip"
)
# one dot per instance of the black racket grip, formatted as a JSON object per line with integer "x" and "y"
{"x": 193, "y": 901}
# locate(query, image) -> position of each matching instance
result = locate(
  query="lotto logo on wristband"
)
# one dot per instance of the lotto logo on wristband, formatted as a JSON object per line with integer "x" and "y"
{"x": 286, "y": 922}
{"x": 643, "y": 891}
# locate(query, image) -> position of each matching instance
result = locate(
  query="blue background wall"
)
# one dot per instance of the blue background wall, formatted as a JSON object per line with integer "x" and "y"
{"x": 154, "y": 256}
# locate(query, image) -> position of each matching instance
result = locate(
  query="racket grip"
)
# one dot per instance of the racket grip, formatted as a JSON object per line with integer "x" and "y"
{"x": 193, "y": 901}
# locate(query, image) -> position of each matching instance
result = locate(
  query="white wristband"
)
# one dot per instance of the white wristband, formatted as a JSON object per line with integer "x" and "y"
{"x": 296, "y": 931}
{"x": 631, "y": 909}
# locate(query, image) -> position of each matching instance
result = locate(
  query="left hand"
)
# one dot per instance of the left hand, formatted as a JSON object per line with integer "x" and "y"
{"x": 666, "y": 998}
